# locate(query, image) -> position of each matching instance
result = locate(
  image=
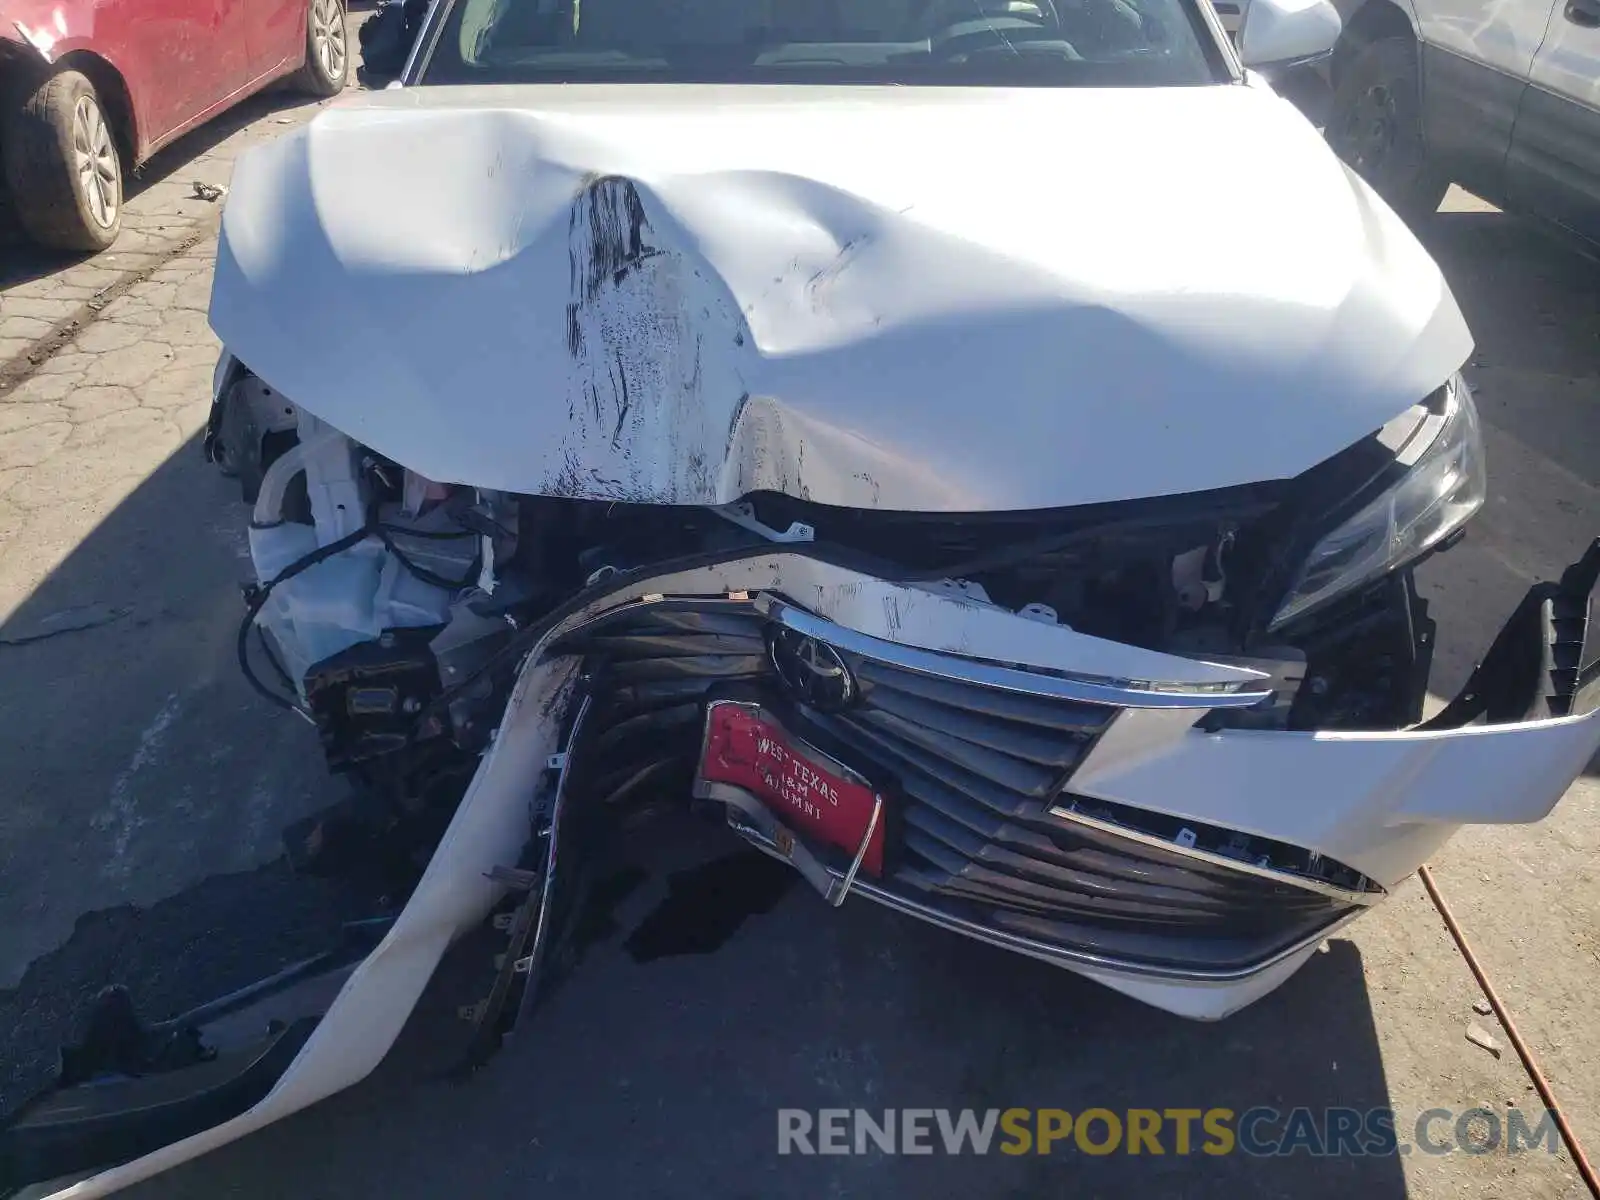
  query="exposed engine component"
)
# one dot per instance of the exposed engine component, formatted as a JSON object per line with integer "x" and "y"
{"x": 436, "y": 578}
{"x": 366, "y": 699}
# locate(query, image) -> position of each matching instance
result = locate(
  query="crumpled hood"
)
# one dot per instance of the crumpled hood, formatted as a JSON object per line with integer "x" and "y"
{"x": 908, "y": 298}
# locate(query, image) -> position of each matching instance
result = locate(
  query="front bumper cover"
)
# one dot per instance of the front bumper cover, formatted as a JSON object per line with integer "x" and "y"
{"x": 1374, "y": 805}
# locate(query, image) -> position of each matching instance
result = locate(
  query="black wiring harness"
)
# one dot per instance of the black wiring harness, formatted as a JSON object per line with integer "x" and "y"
{"x": 256, "y": 596}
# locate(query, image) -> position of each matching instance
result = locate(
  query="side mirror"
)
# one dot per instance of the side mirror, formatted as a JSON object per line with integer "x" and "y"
{"x": 1287, "y": 33}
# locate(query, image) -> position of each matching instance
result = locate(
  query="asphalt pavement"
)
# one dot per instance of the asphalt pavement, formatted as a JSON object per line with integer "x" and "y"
{"x": 145, "y": 789}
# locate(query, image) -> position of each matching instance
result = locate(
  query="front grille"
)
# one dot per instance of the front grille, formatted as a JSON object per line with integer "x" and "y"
{"x": 650, "y": 668}
{"x": 971, "y": 774}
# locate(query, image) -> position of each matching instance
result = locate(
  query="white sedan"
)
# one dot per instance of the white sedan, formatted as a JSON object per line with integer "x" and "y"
{"x": 848, "y": 423}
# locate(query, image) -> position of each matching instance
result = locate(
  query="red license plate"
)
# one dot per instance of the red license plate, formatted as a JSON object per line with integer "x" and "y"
{"x": 809, "y": 791}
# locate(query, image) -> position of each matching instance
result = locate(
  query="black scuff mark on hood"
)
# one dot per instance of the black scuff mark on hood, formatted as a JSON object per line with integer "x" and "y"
{"x": 624, "y": 401}
{"x": 800, "y": 470}
{"x": 819, "y": 285}
{"x": 569, "y": 481}
{"x": 692, "y": 384}
{"x": 606, "y": 239}
{"x": 700, "y": 472}
{"x": 893, "y": 618}
{"x": 742, "y": 483}
{"x": 738, "y": 413}
{"x": 578, "y": 480}
{"x": 574, "y": 330}
{"x": 619, "y": 336}
{"x": 654, "y": 347}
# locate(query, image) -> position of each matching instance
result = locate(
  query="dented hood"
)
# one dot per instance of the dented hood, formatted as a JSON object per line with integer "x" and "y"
{"x": 909, "y": 298}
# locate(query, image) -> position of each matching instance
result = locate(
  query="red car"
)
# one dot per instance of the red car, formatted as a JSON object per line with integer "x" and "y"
{"x": 92, "y": 88}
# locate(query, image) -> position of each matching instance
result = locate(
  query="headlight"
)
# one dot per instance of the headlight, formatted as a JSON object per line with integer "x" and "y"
{"x": 1444, "y": 486}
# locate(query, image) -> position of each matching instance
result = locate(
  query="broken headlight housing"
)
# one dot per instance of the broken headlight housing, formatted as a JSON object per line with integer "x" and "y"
{"x": 1444, "y": 485}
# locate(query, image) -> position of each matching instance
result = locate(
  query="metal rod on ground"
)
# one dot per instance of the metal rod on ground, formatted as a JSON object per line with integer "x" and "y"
{"x": 1529, "y": 1063}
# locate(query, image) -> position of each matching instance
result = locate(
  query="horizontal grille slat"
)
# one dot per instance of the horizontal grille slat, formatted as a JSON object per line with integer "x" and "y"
{"x": 1245, "y": 943}
{"x": 676, "y": 721}
{"x": 620, "y": 785}
{"x": 727, "y": 617}
{"x": 965, "y": 697}
{"x": 625, "y": 647}
{"x": 904, "y": 757}
{"x": 1084, "y": 894}
{"x": 974, "y": 885}
{"x": 1191, "y": 893}
{"x": 1017, "y": 774}
{"x": 711, "y": 666}
{"x": 652, "y": 667}
{"x": 1047, "y": 748}
{"x": 1044, "y": 838}
{"x": 620, "y": 699}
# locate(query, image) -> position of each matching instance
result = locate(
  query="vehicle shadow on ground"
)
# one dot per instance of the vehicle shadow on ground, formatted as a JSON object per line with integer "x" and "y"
{"x": 145, "y": 786}
{"x": 664, "y": 1076}
{"x": 1531, "y": 297}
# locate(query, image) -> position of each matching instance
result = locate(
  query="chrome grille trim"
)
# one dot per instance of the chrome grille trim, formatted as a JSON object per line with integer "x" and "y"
{"x": 1118, "y": 693}
{"x": 1052, "y": 952}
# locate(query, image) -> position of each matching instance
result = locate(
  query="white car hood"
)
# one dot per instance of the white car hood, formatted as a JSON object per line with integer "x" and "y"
{"x": 907, "y": 298}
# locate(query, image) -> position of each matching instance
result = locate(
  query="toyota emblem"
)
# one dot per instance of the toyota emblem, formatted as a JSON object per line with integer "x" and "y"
{"x": 813, "y": 671}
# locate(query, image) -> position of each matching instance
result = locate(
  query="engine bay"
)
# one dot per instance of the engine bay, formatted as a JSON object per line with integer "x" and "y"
{"x": 393, "y": 612}
{"x": 386, "y": 597}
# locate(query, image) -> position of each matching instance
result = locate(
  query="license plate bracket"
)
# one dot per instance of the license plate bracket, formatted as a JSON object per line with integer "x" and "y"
{"x": 777, "y": 785}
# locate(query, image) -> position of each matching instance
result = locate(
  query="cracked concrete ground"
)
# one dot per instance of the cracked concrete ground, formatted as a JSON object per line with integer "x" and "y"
{"x": 80, "y": 434}
{"x": 144, "y": 790}
{"x": 134, "y": 768}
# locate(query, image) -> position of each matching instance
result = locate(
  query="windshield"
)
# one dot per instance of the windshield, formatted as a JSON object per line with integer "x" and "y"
{"x": 1103, "y": 43}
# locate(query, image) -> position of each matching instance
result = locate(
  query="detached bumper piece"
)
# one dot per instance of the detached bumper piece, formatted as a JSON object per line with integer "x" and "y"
{"x": 116, "y": 1119}
{"x": 981, "y": 835}
{"x": 126, "y": 1088}
{"x": 1545, "y": 661}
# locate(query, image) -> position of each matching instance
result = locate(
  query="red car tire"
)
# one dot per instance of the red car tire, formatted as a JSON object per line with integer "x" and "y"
{"x": 327, "y": 66}
{"x": 63, "y": 165}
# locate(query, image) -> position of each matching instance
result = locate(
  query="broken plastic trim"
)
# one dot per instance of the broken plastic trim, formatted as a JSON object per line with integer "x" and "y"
{"x": 1544, "y": 662}
{"x": 743, "y": 514}
{"x": 1068, "y": 812}
{"x": 552, "y": 862}
{"x": 97, "y": 1124}
{"x": 120, "y": 1110}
